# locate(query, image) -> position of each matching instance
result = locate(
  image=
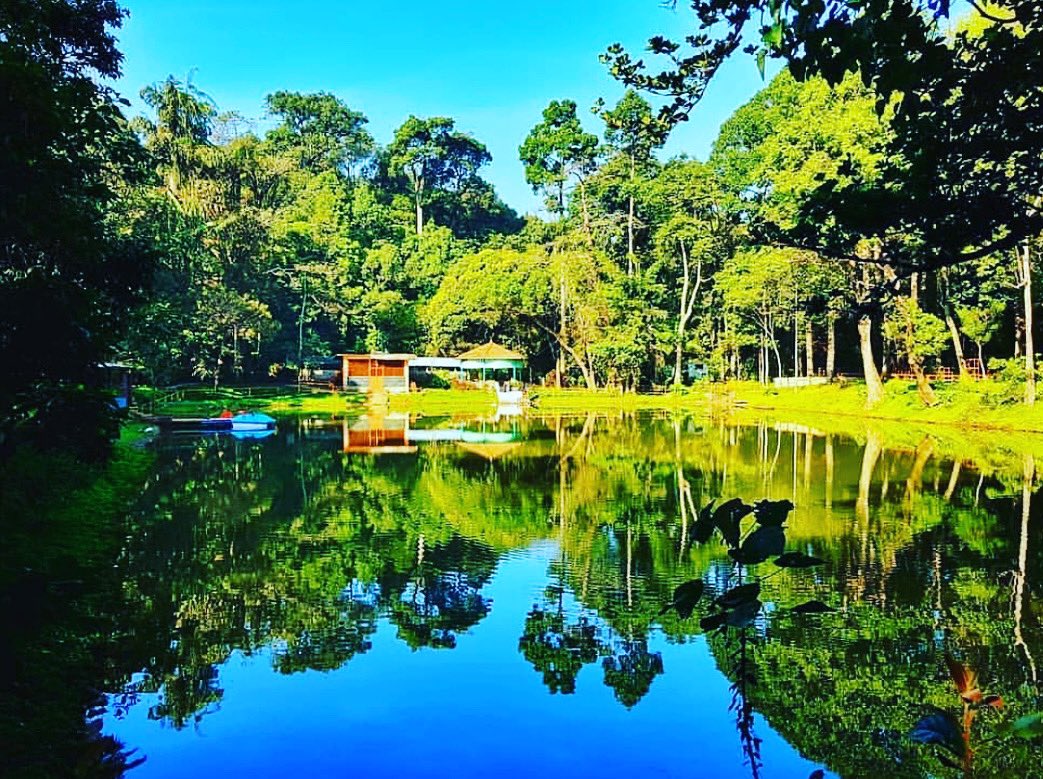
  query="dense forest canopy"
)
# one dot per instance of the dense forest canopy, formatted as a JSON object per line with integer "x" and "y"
{"x": 873, "y": 209}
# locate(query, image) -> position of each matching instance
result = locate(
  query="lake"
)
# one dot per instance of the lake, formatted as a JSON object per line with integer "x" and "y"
{"x": 388, "y": 597}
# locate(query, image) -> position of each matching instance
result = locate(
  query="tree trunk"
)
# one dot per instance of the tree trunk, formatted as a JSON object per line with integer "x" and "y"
{"x": 586, "y": 212}
{"x": 809, "y": 348}
{"x": 1030, "y": 347}
{"x": 630, "y": 237}
{"x": 796, "y": 345}
{"x": 677, "y": 354}
{"x": 418, "y": 197}
{"x": 957, "y": 341}
{"x": 560, "y": 369}
{"x": 630, "y": 220}
{"x": 831, "y": 346}
{"x": 923, "y": 386}
{"x": 689, "y": 289}
{"x": 954, "y": 330}
{"x": 874, "y": 386}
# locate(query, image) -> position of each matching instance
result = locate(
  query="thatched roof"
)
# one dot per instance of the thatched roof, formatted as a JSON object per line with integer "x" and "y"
{"x": 491, "y": 351}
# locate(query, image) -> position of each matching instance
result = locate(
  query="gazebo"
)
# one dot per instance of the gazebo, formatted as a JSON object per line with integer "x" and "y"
{"x": 492, "y": 357}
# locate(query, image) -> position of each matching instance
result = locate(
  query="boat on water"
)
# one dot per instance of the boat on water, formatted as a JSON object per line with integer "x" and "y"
{"x": 252, "y": 422}
{"x": 246, "y": 422}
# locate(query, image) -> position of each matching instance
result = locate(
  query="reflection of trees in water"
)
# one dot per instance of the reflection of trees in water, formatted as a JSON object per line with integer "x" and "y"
{"x": 441, "y": 597}
{"x": 558, "y": 648}
{"x": 630, "y": 669}
{"x": 255, "y": 547}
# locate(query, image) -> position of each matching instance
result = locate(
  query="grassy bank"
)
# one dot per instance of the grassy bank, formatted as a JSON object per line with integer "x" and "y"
{"x": 969, "y": 404}
{"x": 550, "y": 400}
{"x": 979, "y": 405}
{"x": 437, "y": 402}
{"x": 205, "y": 401}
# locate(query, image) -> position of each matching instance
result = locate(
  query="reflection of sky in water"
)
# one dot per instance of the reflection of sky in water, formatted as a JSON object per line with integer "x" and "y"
{"x": 478, "y": 710}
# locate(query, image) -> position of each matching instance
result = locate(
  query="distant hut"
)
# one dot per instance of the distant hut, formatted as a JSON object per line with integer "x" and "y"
{"x": 491, "y": 359}
{"x": 378, "y": 372}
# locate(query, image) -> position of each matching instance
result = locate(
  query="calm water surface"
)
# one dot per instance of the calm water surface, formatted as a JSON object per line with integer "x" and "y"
{"x": 468, "y": 598}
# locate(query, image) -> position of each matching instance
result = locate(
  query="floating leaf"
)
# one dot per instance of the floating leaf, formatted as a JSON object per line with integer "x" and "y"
{"x": 798, "y": 560}
{"x": 743, "y": 614}
{"x": 772, "y": 512}
{"x": 712, "y": 622}
{"x": 965, "y": 679}
{"x": 812, "y": 607}
{"x": 685, "y": 597}
{"x": 941, "y": 728}
{"x": 761, "y": 544}
{"x": 741, "y": 594}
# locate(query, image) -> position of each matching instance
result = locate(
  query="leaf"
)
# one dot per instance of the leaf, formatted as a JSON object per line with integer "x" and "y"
{"x": 965, "y": 679}
{"x": 772, "y": 512}
{"x": 685, "y": 597}
{"x": 940, "y": 728}
{"x": 727, "y": 517}
{"x": 995, "y": 701}
{"x": 737, "y": 595}
{"x": 743, "y": 614}
{"x": 1028, "y": 727}
{"x": 713, "y": 621}
{"x": 812, "y": 607}
{"x": 761, "y": 544}
{"x": 797, "y": 560}
{"x": 702, "y": 529}
{"x": 818, "y": 773}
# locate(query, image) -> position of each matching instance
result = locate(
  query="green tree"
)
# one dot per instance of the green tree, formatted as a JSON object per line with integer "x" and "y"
{"x": 432, "y": 156}
{"x": 68, "y": 275}
{"x": 693, "y": 237}
{"x": 920, "y": 337}
{"x": 320, "y": 131}
{"x": 557, "y": 150}
{"x": 632, "y": 132}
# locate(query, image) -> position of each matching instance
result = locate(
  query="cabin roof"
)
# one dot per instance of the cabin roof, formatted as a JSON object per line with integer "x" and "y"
{"x": 380, "y": 357}
{"x": 491, "y": 351}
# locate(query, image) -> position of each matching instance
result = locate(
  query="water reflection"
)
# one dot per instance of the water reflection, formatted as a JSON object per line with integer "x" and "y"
{"x": 552, "y": 544}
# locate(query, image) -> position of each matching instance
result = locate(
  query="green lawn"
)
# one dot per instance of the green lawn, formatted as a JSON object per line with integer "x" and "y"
{"x": 205, "y": 401}
{"x": 982, "y": 405}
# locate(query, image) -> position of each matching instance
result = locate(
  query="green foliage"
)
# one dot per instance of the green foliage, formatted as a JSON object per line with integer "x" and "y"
{"x": 319, "y": 131}
{"x": 920, "y": 336}
{"x": 67, "y": 276}
{"x": 556, "y": 150}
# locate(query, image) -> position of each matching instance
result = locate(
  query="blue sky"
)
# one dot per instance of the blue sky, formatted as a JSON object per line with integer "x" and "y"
{"x": 491, "y": 66}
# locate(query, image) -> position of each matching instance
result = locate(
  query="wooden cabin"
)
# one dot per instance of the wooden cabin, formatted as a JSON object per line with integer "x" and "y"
{"x": 365, "y": 372}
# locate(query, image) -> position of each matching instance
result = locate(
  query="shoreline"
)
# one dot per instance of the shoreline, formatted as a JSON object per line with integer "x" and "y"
{"x": 961, "y": 406}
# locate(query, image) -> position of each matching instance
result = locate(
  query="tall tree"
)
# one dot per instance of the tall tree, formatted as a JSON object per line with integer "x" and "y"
{"x": 959, "y": 196}
{"x": 556, "y": 151}
{"x": 320, "y": 131}
{"x": 184, "y": 118}
{"x": 67, "y": 276}
{"x": 690, "y": 242}
{"x": 431, "y": 155}
{"x": 634, "y": 133}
